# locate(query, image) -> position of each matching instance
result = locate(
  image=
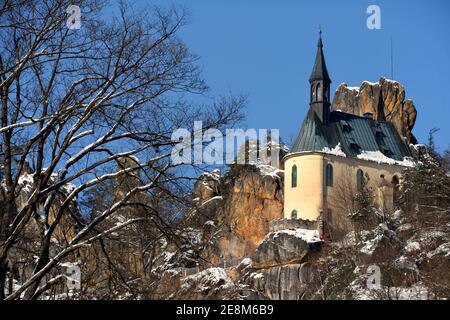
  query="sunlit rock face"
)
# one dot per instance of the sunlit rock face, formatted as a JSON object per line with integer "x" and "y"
{"x": 236, "y": 208}
{"x": 385, "y": 99}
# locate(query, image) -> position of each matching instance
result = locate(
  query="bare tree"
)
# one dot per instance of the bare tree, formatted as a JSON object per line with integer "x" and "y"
{"x": 73, "y": 102}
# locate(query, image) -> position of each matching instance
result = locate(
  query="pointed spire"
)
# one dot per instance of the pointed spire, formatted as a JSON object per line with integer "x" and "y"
{"x": 319, "y": 71}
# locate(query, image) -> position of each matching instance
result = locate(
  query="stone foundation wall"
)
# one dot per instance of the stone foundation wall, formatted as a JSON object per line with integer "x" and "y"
{"x": 282, "y": 224}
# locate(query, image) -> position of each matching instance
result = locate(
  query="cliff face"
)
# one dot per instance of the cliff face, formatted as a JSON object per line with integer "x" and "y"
{"x": 239, "y": 206}
{"x": 384, "y": 99}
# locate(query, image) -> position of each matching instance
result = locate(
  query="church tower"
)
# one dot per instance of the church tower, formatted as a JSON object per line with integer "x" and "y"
{"x": 320, "y": 85}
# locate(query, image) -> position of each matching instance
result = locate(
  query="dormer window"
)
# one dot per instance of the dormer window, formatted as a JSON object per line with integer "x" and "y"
{"x": 378, "y": 131}
{"x": 386, "y": 152}
{"x": 345, "y": 126}
{"x": 353, "y": 145}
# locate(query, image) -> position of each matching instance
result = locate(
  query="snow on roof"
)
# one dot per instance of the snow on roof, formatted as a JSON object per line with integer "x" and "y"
{"x": 337, "y": 150}
{"x": 378, "y": 157}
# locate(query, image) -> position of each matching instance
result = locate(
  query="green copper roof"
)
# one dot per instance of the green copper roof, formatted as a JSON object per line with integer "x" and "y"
{"x": 355, "y": 134}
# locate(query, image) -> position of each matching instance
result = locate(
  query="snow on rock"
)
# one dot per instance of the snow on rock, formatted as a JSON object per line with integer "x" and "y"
{"x": 256, "y": 276}
{"x": 246, "y": 262}
{"x": 370, "y": 83}
{"x": 371, "y": 244}
{"x": 25, "y": 183}
{"x": 267, "y": 170}
{"x": 310, "y": 236}
{"x": 417, "y": 146}
{"x": 353, "y": 88}
{"x": 404, "y": 262}
{"x": 404, "y": 227}
{"x": 26, "y": 179}
{"x": 211, "y": 277}
{"x": 337, "y": 150}
{"x": 213, "y": 175}
{"x": 415, "y": 292}
{"x": 412, "y": 246}
{"x": 215, "y": 198}
{"x": 378, "y": 157}
{"x": 164, "y": 261}
{"x": 210, "y": 223}
{"x": 443, "y": 249}
{"x": 192, "y": 235}
{"x": 285, "y": 247}
{"x": 207, "y": 185}
{"x": 211, "y": 283}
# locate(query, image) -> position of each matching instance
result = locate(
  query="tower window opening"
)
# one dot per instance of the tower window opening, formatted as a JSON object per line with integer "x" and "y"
{"x": 294, "y": 176}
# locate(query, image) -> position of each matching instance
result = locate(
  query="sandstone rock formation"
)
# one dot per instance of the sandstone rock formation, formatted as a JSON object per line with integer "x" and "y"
{"x": 254, "y": 196}
{"x": 237, "y": 207}
{"x": 286, "y": 247}
{"x": 212, "y": 283}
{"x": 384, "y": 99}
{"x": 282, "y": 266}
{"x": 285, "y": 282}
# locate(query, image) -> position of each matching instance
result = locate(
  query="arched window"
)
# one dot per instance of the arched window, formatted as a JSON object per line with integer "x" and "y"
{"x": 294, "y": 214}
{"x": 396, "y": 191}
{"x": 294, "y": 176}
{"x": 359, "y": 179}
{"x": 318, "y": 93}
{"x": 329, "y": 175}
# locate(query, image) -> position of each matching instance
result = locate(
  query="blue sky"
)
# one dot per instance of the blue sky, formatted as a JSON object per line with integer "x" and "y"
{"x": 266, "y": 48}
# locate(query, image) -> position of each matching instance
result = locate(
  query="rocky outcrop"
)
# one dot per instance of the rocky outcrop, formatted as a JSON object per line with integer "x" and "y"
{"x": 285, "y": 282}
{"x": 282, "y": 267}
{"x": 207, "y": 185}
{"x": 253, "y": 197}
{"x": 209, "y": 284}
{"x": 384, "y": 99}
{"x": 286, "y": 247}
{"x": 234, "y": 210}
